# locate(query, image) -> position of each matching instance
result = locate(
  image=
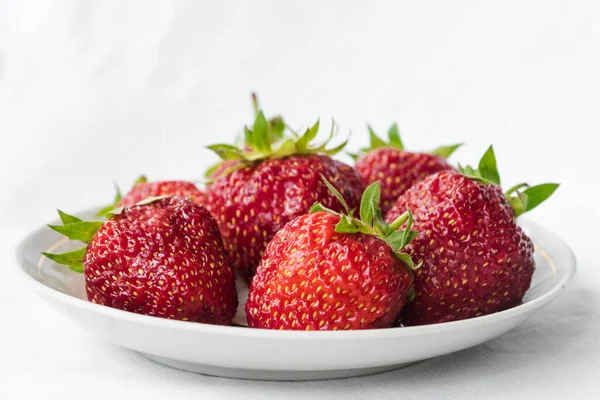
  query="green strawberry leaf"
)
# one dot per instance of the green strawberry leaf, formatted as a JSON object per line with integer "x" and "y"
{"x": 346, "y": 225}
{"x": 518, "y": 203}
{"x": 396, "y": 142}
{"x": 529, "y": 198}
{"x": 308, "y": 136}
{"x": 83, "y": 231}
{"x": 410, "y": 237}
{"x": 260, "y": 134}
{"x": 487, "y": 172}
{"x": 354, "y": 156}
{"x": 445, "y": 151}
{"x": 516, "y": 188}
{"x": 249, "y": 138}
{"x": 140, "y": 179}
{"x": 277, "y": 128}
{"x": 395, "y": 239}
{"x": 336, "y": 149}
{"x": 407, "y": 234}
{"x": 376, "y": 142}
{"x": 380, "y": 226}
{"x": 118, "y": 197}
{"x": 72, "y": 259}
{"x": 336, "y": 193}
{"x": 288, "y": 146}
{"x": 116, "y": 200}
{"x": 323, "y": 147}
{"x": 276, "y": 124}
{"x": 152, "y": 199}
{"x": 227, "y": 151}
{"x": 538, "y": 194}
{"x": 116, "y": 211}
{"x": 209, "y": 172}
{"x": 487, "y": 167}
{"x": 466, "y": 170}
{"x": 394, "y": 135}
{"x": 370, "y": 202}
{"x": 318, "y": 207}
{"x": 102, "y": 212}
{"x": 400, "y": 238}
{"x": 406, "y": 259}
{"x": 66, "y": 218}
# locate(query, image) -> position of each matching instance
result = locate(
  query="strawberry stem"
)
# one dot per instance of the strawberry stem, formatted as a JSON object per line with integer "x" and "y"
{"x": 397, "y": 223}
{"x": 515, "y": 188}
{"x": 255, "y": 107}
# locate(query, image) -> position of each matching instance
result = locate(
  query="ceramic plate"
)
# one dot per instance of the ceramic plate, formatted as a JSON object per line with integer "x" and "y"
{"x": 240, "y": 352}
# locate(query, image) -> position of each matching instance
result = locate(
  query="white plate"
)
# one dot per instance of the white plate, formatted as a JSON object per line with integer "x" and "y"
{"x": 241, "y": 352}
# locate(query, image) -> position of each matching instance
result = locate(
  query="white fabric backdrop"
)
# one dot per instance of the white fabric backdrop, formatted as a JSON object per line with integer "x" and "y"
{"x": 92, "y": 92}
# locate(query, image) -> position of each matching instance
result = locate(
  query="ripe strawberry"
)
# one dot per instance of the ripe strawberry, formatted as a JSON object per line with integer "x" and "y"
{"x": 271, "y": 185}
{"x": 142, "y": 189}
{"x": 330, "y": 271}
{"x": 476, "y": 260}
{"x": 162, "y": 257}
{"x": 396, "y": 168}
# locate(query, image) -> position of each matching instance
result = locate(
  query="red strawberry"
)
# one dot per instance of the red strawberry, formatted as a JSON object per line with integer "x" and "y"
{"x": 330, "y": 271}
{"x": 142, "y": 189}
{"x": 268, "y": 188}
{"x": 397, "y": 169}
{"x": 476, "y": 260}
{"x": 162, "y": 257}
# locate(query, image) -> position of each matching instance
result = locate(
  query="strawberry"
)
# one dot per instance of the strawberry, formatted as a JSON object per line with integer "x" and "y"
{"x": 162, "y": 257}
{"x": 143, "y": 189}
{"x": 265, "y": 188}
{"x": 396, "y": 168}
{"x": 476, "y": 260}
{"x": 330, "y": 271}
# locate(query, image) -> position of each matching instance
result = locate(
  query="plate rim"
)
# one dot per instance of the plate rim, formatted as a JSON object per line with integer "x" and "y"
{"x": 570, "y": 268}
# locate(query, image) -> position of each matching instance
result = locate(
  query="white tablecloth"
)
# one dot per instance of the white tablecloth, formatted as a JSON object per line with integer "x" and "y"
{"x": 95, "y": 91}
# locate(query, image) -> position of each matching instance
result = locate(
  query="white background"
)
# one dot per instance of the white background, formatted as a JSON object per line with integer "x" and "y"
{"x": 94, "y": 92}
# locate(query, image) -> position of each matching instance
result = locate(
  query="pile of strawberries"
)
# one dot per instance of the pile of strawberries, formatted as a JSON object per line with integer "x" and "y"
{"x": 402, "y": 238}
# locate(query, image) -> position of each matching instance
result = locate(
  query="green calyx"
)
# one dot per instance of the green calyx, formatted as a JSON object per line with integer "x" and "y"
{"x": 83, "y": 231}
{"x": 394, "y": 141}
{"x": 521, "y": 197}
{"x": 276, "y": 127}
{"x": 259, "y": 144}
{"x": 371, "y": 221}
{"x": 118, "y": 197}
{"x": 276, "y": 124}
{"x": 75, "y": 229}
